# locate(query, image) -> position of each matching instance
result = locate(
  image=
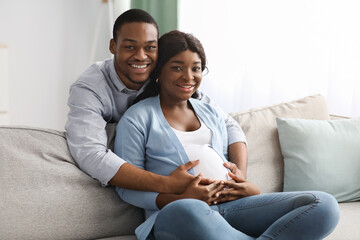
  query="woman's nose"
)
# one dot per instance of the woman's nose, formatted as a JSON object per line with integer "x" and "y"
{"x": 188, "y": 75}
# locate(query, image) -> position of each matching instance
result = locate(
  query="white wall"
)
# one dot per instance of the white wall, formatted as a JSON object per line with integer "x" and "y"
{"x": 260, "y": 52}
{"x": 49, "y": 45}
{"x": 4, "y": 98}
{"x": 263, "y": 52}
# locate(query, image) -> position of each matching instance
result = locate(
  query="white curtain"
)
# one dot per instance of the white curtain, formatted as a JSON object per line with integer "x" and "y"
{"x": 263, "y": 52}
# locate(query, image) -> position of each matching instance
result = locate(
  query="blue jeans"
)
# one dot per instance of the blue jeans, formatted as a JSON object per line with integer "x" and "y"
{"x": 288, "y": 216}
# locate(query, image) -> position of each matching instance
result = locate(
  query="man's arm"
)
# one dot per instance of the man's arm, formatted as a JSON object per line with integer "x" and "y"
{"x": 131, "y": 177}
{"x": 87, "y": 141}
{"x": 86, "y": 135}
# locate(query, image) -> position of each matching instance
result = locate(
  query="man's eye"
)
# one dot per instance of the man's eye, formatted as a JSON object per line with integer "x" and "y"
{"x": 130, "y": 47}
{"x": 151, "y": 48}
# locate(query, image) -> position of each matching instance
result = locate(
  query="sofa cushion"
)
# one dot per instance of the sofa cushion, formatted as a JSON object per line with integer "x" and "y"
{"x": 321, "y": 155}
{"x": 265, "y": 163}
{"x": 44, "y": 195}
{"x": 348, "y": 227}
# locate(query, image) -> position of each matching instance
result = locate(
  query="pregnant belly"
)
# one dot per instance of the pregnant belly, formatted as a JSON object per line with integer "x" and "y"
{"x": 211, "y": 164}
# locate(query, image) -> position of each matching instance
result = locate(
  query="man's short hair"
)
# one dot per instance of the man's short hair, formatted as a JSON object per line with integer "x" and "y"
{"x": 130, "y": 16}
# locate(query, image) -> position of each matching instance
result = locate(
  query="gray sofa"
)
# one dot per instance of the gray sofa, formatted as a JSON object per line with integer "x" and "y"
{"x": 44, "y": 195}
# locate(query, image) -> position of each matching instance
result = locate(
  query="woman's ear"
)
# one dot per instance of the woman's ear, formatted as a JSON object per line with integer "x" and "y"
{"x": 112, "y": 46}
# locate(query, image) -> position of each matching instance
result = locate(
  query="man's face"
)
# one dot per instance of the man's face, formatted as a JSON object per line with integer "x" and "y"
{"x": 135, "y": 53}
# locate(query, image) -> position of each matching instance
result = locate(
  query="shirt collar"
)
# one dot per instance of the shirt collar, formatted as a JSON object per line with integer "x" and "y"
{"x": 119, "y": 83}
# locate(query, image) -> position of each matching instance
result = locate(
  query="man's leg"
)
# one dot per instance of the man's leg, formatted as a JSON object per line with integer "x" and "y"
{"x": 191, "y": 219}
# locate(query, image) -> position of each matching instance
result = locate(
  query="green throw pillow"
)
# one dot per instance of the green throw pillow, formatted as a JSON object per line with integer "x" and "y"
{"x": 321, "y": 155}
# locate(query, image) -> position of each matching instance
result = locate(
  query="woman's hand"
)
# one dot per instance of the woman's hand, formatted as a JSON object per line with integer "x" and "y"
{"x": 199, "y": 188}
{"x": 237, "y": 187}
{"x": 237, "y": 190}
{"x": 235, "y": 171}
{"x": 202, "y": 192}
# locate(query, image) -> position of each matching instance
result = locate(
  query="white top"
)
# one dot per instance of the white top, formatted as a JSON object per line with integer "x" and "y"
{"x": 197, "y": 145}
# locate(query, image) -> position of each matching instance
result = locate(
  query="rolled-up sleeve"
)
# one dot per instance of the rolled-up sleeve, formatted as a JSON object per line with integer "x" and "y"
{"x": 235, "y": 133}
{"x": 86, "y": 135}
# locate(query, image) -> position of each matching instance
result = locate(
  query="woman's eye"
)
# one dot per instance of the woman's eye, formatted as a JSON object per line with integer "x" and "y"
{"x": 197, "y": 69}
{"x": 176, "y": 68}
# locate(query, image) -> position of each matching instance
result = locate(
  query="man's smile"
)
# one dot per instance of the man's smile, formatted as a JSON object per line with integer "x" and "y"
{"x": 139, "y": 66}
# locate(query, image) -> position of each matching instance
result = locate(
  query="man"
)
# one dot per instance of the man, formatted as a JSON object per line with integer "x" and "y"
{"x": 106, "y": 90}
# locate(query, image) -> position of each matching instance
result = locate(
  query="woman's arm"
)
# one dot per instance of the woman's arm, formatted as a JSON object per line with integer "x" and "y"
{"x": 238, "y": 155}
{"x": 199, "y": 188}
{"x": 195, "y": 190}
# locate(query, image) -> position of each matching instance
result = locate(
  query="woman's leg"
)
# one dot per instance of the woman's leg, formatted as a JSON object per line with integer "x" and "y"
{"x": 192, "y": 219}
{"x": 288, "y": 215}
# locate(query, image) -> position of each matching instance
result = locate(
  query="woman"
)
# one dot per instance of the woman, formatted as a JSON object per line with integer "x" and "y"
{"x": 168, "y": 128}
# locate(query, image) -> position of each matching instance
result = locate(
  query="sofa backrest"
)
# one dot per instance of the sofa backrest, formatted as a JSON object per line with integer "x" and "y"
{"x": 265, "y": 162}
{"x": 44, "y": 195}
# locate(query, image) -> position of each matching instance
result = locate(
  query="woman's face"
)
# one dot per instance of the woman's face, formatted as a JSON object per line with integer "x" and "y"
{"x": 180, "y": 77}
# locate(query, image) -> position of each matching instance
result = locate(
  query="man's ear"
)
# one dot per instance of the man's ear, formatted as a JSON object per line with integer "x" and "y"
{"x": 112, "y": 46}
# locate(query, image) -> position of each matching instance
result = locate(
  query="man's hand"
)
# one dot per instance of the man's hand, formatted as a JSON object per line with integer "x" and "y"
{"x": 179, "y": 179}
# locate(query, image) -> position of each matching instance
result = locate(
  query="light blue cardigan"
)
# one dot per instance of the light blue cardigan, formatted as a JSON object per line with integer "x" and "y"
{"x": 148, "y": 142}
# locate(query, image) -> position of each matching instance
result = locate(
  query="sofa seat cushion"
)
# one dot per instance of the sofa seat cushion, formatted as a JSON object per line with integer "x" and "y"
{"x": 127, "y": 237}
{"x": 265, "y": 163}
{"x": 44, "y": 195}
{"x": 348, "y": 227}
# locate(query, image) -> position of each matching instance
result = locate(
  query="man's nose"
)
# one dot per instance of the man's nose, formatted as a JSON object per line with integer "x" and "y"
{"x": 140, "y": 54}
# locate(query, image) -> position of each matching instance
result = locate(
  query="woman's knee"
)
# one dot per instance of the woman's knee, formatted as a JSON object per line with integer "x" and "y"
{"x": 327, "y": 213}
{"x": 329, "y": 207}
{"x": 181, "y": 218}
{"x": 188, "y": 208}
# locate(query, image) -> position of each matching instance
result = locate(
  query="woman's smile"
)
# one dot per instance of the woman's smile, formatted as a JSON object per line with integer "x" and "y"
{"x": 186, "y": 88}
